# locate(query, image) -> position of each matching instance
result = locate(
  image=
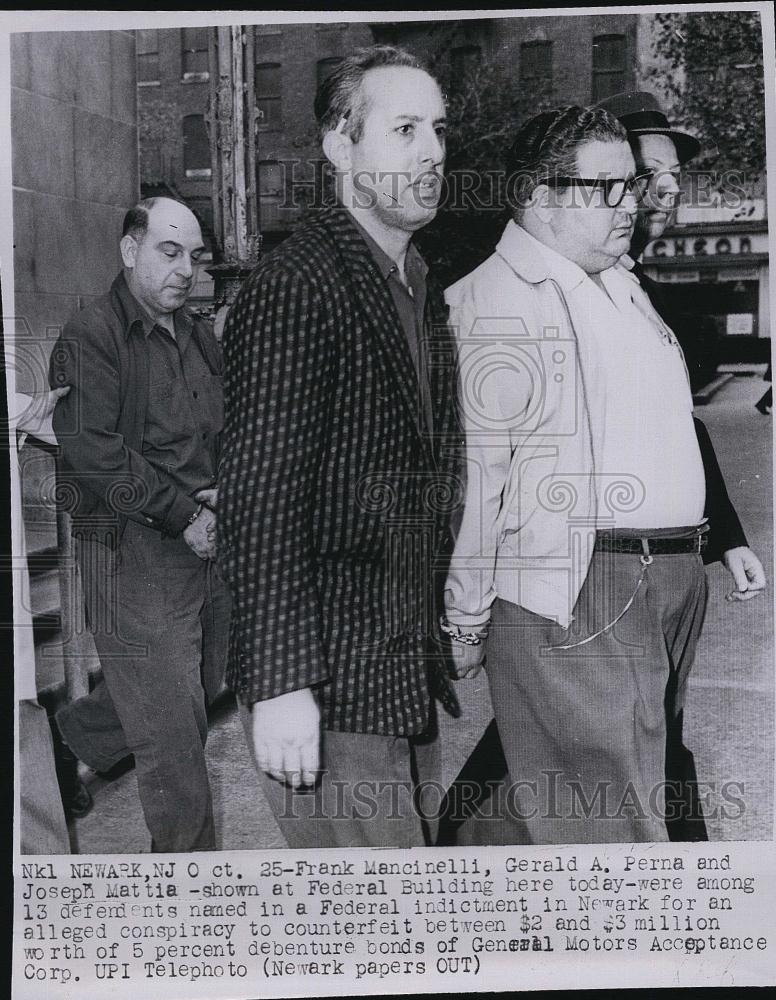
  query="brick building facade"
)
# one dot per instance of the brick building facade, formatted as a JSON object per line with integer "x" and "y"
{"x": 173, "y": 89}
{"x": 558, "y": 59}
{"x": 577, "y": 60}
{"x": 580, "y": 61}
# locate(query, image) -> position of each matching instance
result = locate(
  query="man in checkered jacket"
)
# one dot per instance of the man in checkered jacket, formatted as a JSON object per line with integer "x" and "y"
{"x": 339, "y": 475}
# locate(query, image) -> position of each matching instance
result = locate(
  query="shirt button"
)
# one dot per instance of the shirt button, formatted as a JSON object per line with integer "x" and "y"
{"x": 195, "y": 394}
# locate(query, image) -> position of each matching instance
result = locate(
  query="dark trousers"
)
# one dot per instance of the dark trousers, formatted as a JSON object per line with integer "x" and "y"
{"x": 370, "y": 792}
{"x": 160, "y": 618}
{"x": 591, "y": 735}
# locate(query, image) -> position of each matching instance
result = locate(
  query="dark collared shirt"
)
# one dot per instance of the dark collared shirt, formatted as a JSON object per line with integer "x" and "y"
{"x": 410, "y": 302}
{"x": 102, "y": 424}
{"x": 185, "y": 412}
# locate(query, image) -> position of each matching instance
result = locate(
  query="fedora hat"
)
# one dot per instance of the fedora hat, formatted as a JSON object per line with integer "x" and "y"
{"x": 641, "y": 114}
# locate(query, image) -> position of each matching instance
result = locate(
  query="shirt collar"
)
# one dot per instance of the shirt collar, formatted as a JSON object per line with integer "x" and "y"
{"x": 625, "y": 289}
{"x": 533, "y": 261}
{"x": 625, "y": 268}
{"x": 134, "y": 315}
{"x": 387, "y": 265}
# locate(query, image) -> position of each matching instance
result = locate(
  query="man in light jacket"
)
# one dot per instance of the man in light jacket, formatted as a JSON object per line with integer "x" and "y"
{"x": 581, "y": 541}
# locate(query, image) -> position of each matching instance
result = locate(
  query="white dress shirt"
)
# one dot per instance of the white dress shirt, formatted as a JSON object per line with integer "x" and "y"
{"x": 649, "y": 436}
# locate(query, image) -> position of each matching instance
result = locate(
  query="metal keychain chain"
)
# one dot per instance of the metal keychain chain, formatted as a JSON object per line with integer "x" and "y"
{"x": 645, "y": 559}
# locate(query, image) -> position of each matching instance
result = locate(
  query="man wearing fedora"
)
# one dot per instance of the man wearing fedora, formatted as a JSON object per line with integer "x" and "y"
{"x": 661, "y": 151}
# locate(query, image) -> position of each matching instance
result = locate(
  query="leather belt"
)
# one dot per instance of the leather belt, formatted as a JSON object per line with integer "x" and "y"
{"x": 652, "y": 544}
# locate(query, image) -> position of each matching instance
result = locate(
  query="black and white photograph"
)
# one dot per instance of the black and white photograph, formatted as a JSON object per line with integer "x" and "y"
{"x": 390, "y": 429}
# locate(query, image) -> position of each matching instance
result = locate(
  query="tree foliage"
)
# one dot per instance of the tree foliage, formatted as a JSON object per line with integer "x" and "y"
{"x": 715, "y": 84}
{"x": 485, "y": 109}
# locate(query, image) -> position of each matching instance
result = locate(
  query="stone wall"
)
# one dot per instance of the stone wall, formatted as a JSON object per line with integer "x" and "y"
{"x": 75, "y": 173}
{"x": 74, "y": 132}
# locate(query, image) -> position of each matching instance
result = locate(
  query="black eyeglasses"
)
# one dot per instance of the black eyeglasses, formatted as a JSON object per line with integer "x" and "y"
{"x": 614, "y": 188}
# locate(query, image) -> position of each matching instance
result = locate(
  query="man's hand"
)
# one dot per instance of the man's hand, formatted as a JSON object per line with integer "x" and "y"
{"x": 747, "y": 571}
{"x": 287, "y": 736}
{"x": 200, "y": 536}
{"x": 467, "y": 660}
{"x": 208, "y": 497}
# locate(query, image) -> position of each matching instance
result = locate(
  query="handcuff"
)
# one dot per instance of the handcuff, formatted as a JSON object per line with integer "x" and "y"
{"x": 467, "y": 638}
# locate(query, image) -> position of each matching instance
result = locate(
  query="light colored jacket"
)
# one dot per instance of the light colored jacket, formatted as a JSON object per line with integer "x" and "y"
{"x": 534, "y": 410}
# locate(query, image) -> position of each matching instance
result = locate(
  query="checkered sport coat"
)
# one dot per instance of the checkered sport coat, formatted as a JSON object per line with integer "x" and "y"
{"x": 334, "y": 502}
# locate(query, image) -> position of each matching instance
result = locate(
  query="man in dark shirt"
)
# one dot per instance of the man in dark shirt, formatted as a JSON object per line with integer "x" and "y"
{"x": 139, "y": 437}
{"x": 662, "y": 151}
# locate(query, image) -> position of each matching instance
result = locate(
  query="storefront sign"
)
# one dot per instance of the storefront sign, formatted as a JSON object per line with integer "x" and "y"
{"x": 700, "y": 246}
{"x": 740, "y": 324}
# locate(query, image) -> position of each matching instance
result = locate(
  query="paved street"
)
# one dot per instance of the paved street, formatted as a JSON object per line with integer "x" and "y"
{"x": 730, "y": 714}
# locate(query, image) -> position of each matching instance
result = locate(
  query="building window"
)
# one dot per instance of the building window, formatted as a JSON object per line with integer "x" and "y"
{"x": 609, "y": 66}
{"x": 464, "y": 62}
{"x": 194, "y": 54}
{"x": 325, "y": 68}
{"x": 268, "y": 95}
{"x": 270, "y": 185}
{"x": 536, "y": 62}
{"x": 147, "y": 49}
{"x": 196, "y": 147}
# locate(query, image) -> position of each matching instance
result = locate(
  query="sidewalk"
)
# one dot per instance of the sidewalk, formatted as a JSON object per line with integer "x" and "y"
{"x": 729, "y": 717}
{"x": 730, "y": 714}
